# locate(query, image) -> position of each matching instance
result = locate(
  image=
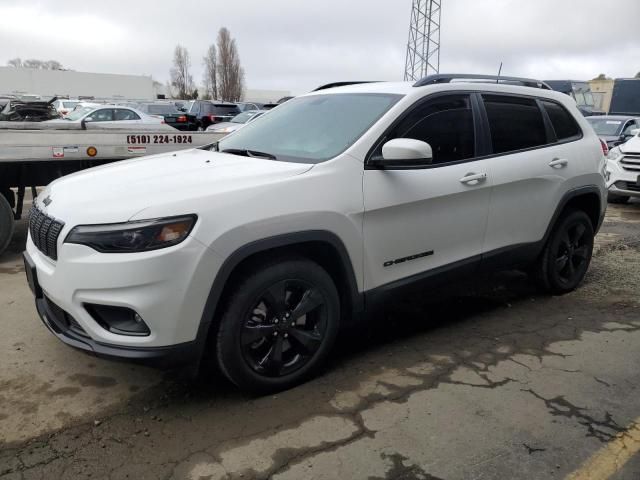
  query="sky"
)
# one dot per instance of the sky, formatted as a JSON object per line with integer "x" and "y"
{"x": 296, "y": 45}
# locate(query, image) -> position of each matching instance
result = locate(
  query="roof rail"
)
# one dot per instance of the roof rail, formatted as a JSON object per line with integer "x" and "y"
{"x": 342, "y": 84}
{"x": 448, "y": 78}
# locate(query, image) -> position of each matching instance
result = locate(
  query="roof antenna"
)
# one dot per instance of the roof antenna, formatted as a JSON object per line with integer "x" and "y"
{"x": 499, "y": 72}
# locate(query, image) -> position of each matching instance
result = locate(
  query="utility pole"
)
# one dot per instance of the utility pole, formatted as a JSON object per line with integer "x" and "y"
{"x": 423, "y": 47}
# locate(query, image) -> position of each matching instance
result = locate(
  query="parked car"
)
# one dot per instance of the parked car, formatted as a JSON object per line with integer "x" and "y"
{"x": 28, "y": 111}
{"x": 236, "y": 122}
{"x": 625, "y": 99}
{"x": 171, "y": 114}
{"x": 64, "y": 106}
{"x": 259, "y": 248}
{"x": 580, "y": 91}
{"x": 113, "y": 116}
{"x": 623, "y": 170}
{"x": 614, "y": 129}
{"x": 208, "y": 113}
{"x": 246, "y": 106}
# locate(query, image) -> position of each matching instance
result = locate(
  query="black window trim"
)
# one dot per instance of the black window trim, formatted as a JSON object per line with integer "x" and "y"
{"x": 482, "y": 131}
{"x": 478, "y": 130}
{"x": 574, "y": 138}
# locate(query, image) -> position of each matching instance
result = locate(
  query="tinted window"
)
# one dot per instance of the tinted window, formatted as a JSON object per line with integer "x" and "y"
{"x": 314, "y": 128}
{"x": 102, "y": 115}
{"x": 563, "y": 123}
{"x": 445, "y": 123}
{"x": 224, "y": 109}
{"x": 516, "y": 123}
{"x": 122, "y": 114}
{"x": 195, "y": 108}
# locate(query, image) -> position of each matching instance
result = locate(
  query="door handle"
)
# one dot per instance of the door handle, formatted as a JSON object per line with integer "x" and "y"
{"x": 473, "y": 178}
{"x": 558, "y": 163}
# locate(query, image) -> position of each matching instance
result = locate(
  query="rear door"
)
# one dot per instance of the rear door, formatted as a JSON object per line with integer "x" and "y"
{"x": 530, "y": 167}
{"x": 424, "y": 222}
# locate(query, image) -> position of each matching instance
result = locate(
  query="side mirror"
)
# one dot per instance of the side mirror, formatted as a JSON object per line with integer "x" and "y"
{"x": 405, "y": 153}
{"x": 635, "y": 132}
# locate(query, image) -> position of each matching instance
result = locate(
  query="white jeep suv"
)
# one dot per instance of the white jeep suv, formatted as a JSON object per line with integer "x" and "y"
{"x": 259, "y": 248}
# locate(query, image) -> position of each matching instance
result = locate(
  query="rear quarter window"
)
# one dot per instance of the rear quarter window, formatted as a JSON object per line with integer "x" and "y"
{"x": 562, "y": 121}
{"x": 516, "y": 123}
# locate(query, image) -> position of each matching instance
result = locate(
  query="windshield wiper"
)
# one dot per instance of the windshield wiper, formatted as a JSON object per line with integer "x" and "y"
{"x": 249, "y": 153}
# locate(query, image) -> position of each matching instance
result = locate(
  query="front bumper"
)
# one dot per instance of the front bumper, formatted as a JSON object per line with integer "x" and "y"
{"x": 58, "y": 322}
{"x": 623, "y": 182}
{"x": 168, "y": 288}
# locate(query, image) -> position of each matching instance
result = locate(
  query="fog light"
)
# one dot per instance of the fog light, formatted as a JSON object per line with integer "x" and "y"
{"x": 118, "y": 320}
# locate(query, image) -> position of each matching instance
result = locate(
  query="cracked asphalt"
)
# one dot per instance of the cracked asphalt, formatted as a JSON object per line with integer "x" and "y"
{"x": 498, "y": 383}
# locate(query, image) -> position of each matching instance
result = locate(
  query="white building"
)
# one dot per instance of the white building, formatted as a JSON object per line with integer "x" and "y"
{"x": 49, "y": 83}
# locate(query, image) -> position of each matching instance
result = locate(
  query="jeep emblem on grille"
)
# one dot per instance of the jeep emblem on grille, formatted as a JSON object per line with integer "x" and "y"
{"x": 47, "y": 200}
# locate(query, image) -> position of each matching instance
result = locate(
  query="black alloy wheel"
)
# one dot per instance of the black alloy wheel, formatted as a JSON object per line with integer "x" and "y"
{"x": 572, "y": 254}
{"x": 567, "y": 254}
{"x": 285, "y": 328}
{"x": 279, "y": 324}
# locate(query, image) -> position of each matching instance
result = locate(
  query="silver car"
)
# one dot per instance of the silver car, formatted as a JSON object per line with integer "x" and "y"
{"x": 236, "y": 122}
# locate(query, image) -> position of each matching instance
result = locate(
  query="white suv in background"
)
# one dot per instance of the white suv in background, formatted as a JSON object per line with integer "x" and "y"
{"x": 623, "y": 170}
{"x": 258, "y": 249}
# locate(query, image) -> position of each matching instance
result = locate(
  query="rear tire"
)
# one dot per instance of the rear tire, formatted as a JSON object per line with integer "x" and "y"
{"x": 278, "y": 326}
{"x": 6, "y": 223}
{"x": 621, "y": 199}
{"x": 567, "y": 254}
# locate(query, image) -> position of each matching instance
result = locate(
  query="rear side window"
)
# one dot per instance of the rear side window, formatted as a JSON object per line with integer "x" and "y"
{"x": 445, "y": 123}
{"x": 225, "y": 109}
{"x": 563, "y": 123}
{"x": 516, "y": 123}
{"x": 122, "y": 114}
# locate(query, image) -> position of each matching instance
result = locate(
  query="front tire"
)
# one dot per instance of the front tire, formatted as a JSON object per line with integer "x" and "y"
{"x": 566, "y": 257}
{"x": 278, "y": 326}
{"x": 6, "y": 223}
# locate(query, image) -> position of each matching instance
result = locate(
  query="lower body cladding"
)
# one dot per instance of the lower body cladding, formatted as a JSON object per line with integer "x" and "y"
{"x": 144, "y": 306}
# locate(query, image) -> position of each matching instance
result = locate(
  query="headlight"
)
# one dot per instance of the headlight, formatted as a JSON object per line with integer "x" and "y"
{"x": 615, "y": 154}
{"x": 139, "y": 236}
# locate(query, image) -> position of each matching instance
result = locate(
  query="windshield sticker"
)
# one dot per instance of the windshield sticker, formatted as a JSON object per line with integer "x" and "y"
{"x": 613, "y": 122}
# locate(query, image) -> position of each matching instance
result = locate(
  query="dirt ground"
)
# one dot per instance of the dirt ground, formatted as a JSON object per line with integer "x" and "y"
{"x": 501, "y": 384}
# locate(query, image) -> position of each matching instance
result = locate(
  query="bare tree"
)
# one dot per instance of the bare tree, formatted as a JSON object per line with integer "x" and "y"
{"x": 229, "y": 70}
{"x": 210, "y": 79}
{"x": 181, "y": 79}
{"x": 35, "y": 63}
{"x": 53, "y": 65}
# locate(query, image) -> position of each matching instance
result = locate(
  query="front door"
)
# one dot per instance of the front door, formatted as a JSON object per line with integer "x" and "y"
{"x": 428, "y": 220}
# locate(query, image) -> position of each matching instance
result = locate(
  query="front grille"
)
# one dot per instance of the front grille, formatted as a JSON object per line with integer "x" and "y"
{"x": 631, "y": 162}
{"x": 44, "y": 231}
{"x": 631, "y": 186}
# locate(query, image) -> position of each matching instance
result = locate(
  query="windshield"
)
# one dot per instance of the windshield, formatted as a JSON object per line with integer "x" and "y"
{"x": 69, "y": 104}
{"x": 79, "y": 113}
{"x": 243, "y": 117}
{"x": 312, "y": 129}
{"x": 605, "y": 127}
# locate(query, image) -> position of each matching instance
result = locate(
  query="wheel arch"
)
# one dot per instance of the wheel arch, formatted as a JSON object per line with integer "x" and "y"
{"x": 587, "y": 199}
{"x": 323, "y": 247}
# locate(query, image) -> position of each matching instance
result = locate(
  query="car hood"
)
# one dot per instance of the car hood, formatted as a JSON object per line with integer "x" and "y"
{"x": 117, "y": 192}
{"x": 631, "y": 146}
